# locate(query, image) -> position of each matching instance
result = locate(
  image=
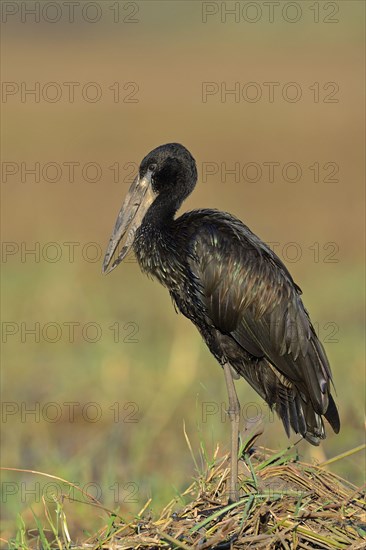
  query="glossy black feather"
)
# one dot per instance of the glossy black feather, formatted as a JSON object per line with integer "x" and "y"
{"x": 240, "y": 296}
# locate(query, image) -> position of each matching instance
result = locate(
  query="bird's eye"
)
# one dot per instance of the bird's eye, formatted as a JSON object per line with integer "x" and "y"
{"x": 152, "y": 167}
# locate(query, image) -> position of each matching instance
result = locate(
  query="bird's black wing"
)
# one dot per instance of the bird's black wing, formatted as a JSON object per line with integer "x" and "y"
{"x": 249, "y": 296}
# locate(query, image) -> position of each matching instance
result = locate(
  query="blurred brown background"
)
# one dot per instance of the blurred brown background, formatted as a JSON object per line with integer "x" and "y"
{"x": 110, "y": 371}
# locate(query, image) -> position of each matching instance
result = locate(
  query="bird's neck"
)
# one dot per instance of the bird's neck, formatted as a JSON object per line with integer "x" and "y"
{"x": 161, "y": 213}
{"x": 154, "y": 240}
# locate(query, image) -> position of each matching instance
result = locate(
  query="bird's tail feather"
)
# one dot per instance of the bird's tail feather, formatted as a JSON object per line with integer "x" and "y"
{"x": 297, "y": 412}
{"x": 294, "y": 408}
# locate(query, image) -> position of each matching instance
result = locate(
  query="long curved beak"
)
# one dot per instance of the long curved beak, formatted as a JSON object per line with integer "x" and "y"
{"x": 138, "y": 200}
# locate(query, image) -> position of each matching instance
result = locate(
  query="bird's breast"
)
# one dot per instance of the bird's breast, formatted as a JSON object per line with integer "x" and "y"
{"x": 158, "y": 258}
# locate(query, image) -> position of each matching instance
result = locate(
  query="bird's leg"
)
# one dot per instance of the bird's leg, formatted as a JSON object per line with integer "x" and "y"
{"x": 234, "y": 416}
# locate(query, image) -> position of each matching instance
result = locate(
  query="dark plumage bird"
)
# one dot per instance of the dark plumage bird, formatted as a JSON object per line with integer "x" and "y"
{"x": 236, "y": 291}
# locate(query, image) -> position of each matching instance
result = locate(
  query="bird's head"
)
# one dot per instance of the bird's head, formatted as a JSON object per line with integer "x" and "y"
{"x": 166, "y": 175}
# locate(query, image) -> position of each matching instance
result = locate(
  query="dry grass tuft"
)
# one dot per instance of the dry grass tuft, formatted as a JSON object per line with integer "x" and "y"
{"x": 284, "y": 504}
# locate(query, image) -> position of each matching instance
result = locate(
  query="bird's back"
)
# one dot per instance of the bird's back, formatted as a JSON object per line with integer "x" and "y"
{"x": 246, "y": 305}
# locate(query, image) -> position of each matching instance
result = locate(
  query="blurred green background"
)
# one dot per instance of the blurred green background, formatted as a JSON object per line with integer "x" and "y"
{"x": 111, "y": 349}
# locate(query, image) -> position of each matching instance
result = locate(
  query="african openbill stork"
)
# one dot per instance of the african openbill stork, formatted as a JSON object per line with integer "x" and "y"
{"x": 235, "y": 290}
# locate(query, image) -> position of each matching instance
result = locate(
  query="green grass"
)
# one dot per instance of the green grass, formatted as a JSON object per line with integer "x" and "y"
{"x": 282, "y": 500}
